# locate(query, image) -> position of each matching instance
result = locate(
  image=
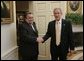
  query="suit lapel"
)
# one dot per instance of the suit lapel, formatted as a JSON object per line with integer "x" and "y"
{"x": 30, "y": 27}
{"x": 62, "y": 27}
{"x": 54, "y": 25}
{"x": 34, "y": 25}
{"x": 54, "y": 28}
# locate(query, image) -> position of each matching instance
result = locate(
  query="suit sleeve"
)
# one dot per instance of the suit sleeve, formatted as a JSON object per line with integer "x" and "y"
{"x": 48, "y": 33}
{"x": 25, "y": 36}
{"x": 71, "y": 41}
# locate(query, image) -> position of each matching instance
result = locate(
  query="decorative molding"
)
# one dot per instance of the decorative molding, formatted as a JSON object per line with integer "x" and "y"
{"x": 79, "y": 48}
{"x": 77, "y": 28}
{"x": 9, "y": 51}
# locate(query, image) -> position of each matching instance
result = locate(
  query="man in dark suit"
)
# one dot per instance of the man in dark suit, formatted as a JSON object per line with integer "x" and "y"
{"x": 60, "y": 31}
{"x": 28, "y": 45}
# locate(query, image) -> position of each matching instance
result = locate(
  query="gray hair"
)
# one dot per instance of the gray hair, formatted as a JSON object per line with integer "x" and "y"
{"x": 57, "y": 9}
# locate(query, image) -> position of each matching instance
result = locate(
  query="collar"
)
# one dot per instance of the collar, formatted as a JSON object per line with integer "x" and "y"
{"x": 59, "y": 20}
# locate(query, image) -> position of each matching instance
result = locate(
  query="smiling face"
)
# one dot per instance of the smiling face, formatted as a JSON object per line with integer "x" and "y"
{"x": 57, "y": 13}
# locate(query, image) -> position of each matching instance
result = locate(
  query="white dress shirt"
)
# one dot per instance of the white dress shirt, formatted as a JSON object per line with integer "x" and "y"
{"x": 32, "y": 27}
{"x": 58, "y": 31}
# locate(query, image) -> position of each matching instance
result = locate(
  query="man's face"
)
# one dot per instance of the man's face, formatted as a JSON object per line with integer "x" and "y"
{"x": 29, "y": 17}
{"x": 57, "y": 14}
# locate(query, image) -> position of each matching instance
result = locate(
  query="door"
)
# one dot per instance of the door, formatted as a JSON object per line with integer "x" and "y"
{"x": 43, "y": 14}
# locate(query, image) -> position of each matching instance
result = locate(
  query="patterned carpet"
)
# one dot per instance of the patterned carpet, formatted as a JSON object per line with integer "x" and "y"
{"x": 75, "y": 54}
{"x": 81, "y": 58}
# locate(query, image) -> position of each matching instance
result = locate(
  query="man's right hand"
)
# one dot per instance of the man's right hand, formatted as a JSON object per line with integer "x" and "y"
{"x": 39, "y": 40}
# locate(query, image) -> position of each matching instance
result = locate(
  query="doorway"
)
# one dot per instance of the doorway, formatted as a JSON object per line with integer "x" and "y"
{"x": 21, "y": 8}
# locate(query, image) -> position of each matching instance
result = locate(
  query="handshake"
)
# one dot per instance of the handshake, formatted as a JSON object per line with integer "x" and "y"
{"x": 39, "y": 39}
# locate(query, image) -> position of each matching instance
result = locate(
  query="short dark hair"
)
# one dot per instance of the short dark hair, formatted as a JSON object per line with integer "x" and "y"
{"x": 26, "y": 13}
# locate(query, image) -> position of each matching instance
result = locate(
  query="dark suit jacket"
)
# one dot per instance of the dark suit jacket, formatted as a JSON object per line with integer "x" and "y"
{"x": 66, "y": 36}
{"x": 27, "y": 41}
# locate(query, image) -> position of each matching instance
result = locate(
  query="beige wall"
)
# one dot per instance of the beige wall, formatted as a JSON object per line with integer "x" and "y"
{"x": 43, "y": 14}
{"x": 82, "y": 7}
{"x": 8, "y": 39}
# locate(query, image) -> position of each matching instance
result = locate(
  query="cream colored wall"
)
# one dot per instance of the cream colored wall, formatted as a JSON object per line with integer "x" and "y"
{"x": 82, "y": 7}
{"x": 8, "y": 39}
{"x": 43, "y": 14}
